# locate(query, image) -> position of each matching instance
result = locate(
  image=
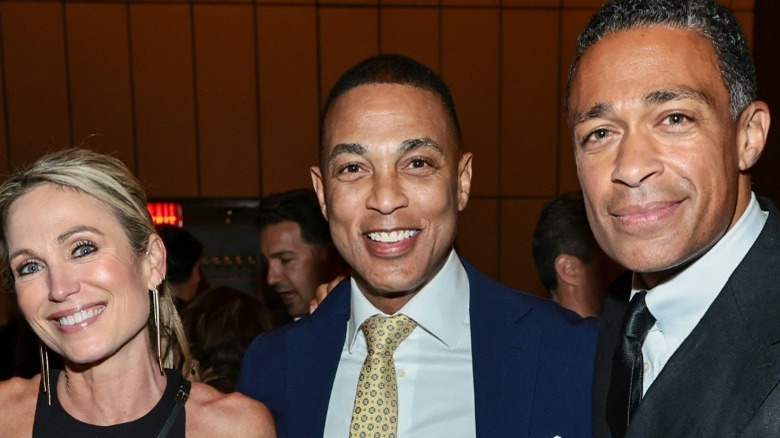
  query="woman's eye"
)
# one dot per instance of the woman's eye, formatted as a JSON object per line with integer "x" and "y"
{"x": 84, "y": 248}
{"x": 28, "y": 268}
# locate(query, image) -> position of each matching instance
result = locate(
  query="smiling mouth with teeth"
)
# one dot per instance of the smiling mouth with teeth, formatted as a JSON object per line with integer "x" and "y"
{"x": 391, "y": 237}
{"x": 81, "y": 316}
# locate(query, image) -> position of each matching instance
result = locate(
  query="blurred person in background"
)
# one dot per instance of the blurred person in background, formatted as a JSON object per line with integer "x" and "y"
{"x": 297, "y": 248}
{"x": 220, "y": 323}
{"x": 184, "y": 273}
{"x": 572, "y": 267}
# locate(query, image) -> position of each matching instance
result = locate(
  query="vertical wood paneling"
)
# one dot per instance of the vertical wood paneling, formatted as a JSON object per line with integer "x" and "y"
{"x": 470, "y": 2}
{"x": 285, "y": 2}
{"x": 582, "y": 3}
{"x": 478, "y": 235}
{"x": 349, "y": 2}
{"x": 530, "y": 103}
{"x": 518, "y": 220}
{"x": 409, "y": 2}
{"x": 227, "y": 100}
{"x": 471, "y": 68}
{"x": 36, "y": 79}
{"x": 347, "y": 36}
{"x": 533, "y": 3}
{"x": 166, "y": 143}
{"x": 289, "y": 125}
{"x": 573, "y": 22}
{"x": 101, "y": 101}
{"x": 412, "y": 32}
{"x": 4, "y": 164}
{"x": 221, "y": 98}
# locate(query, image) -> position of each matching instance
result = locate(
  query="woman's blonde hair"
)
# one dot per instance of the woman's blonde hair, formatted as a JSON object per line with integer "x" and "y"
{"x": 109, "y": 181}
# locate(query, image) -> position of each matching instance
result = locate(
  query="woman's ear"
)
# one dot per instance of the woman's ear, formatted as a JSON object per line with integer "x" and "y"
{"x": 154, "y": 262}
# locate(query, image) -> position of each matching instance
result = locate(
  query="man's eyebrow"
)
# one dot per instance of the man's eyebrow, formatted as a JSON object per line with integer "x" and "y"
{"x": 346, "y": 148}
{"x": 595, "y": 111}
{"x": 406, "y": 146}
{"x": 417, "y": 143}
{"x": 656, "y": 97}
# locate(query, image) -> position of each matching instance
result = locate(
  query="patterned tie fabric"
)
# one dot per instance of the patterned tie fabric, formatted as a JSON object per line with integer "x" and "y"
{"x": 375, "y": 414}
{"x": 625, "y": 389}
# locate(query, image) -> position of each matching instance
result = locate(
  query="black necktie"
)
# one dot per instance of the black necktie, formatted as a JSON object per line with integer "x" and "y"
{"x": 625, "y": 387}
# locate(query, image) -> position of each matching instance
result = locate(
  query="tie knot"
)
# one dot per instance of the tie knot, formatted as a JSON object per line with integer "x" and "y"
{"x": 384, "y": 333}
{"x": 638, "y": 318}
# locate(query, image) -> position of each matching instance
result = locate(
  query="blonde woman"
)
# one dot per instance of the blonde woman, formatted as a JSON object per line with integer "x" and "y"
{"x": 80, "y": 251}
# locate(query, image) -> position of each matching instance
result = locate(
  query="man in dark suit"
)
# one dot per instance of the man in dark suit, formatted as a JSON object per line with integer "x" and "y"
{"x": 666, "y": 125}
{"x": 480, "y": 359}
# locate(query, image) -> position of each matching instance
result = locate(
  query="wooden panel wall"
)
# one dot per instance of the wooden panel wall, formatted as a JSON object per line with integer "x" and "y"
{"x": 221, "y": 98}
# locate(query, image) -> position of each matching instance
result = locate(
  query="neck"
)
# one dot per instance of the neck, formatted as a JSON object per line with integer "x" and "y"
{"x": 121, "y": 388}
{"x": 582, "y": 302}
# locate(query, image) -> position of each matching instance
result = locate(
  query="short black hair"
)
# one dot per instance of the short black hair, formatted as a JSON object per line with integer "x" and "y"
{"x": 391, "y": 69}
{"x": 709, "y": 19}
{"x": 562, "y": 229}
{"x": 183, "y": 252}
{"x": 300, "y": 206}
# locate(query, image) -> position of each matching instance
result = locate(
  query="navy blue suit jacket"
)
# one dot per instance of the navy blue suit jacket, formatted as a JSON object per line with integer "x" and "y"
{"x": 532, "y": 364}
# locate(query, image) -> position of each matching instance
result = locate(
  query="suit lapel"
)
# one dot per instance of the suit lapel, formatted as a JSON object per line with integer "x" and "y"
{"x": 504, "y": 359}
{"x": 314, "y": 349}
{"x": 717, "y": 380}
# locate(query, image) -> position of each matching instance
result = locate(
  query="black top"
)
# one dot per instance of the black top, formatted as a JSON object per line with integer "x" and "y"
{"x": 53, "y": 421}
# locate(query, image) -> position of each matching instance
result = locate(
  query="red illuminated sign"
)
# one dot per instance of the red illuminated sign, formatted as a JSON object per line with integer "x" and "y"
{"x": 166, "y": 213}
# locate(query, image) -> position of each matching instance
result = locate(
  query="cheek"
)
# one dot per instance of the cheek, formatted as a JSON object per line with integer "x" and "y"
{"x": 343, "y": 206}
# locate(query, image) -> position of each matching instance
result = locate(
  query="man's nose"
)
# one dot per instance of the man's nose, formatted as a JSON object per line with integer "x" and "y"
{"x": 387, "y": 193}
{"x": 638, "y": 158}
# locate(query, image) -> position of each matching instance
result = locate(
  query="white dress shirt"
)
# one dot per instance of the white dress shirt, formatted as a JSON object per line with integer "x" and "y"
{"x": 679, "y": 303}
{"x": 433, "y": 365}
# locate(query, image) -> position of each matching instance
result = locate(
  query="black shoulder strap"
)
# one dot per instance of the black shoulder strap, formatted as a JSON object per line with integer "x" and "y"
{"x": 181, "y": 397}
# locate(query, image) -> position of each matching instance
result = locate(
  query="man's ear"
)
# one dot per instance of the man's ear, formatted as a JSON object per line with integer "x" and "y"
{"x": 464, "y": 180}
{"x": 319, "y": 187}
{"x": 568, "y": 269}
{"x": 753, "y": 127}
{"x": 154, "y": 262}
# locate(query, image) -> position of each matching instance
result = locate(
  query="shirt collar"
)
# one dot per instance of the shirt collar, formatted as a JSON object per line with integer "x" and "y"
{"x": 439, "y": 308}
{"x": 679, "y": 303}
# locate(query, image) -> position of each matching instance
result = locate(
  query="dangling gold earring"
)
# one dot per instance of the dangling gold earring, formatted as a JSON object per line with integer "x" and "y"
{"x": 45, "y": 378}
{"x": 156, "y": 311}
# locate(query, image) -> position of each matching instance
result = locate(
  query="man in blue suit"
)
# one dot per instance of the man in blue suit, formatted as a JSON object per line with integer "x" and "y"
{"x": 481, "y": 359}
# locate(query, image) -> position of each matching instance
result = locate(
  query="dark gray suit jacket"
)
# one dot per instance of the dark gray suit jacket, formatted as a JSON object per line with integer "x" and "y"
{"x": 723, "y": 380}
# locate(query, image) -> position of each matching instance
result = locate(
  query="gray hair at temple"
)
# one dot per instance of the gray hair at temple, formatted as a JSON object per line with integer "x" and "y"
{"x": 709, "y": 19}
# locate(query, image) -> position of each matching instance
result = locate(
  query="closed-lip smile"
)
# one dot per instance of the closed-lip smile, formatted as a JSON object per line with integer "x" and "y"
{"x": 646, "y": 214}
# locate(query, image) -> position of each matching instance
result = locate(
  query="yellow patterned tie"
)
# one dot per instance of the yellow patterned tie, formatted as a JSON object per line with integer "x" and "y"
{"x": 375, "y": 414}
